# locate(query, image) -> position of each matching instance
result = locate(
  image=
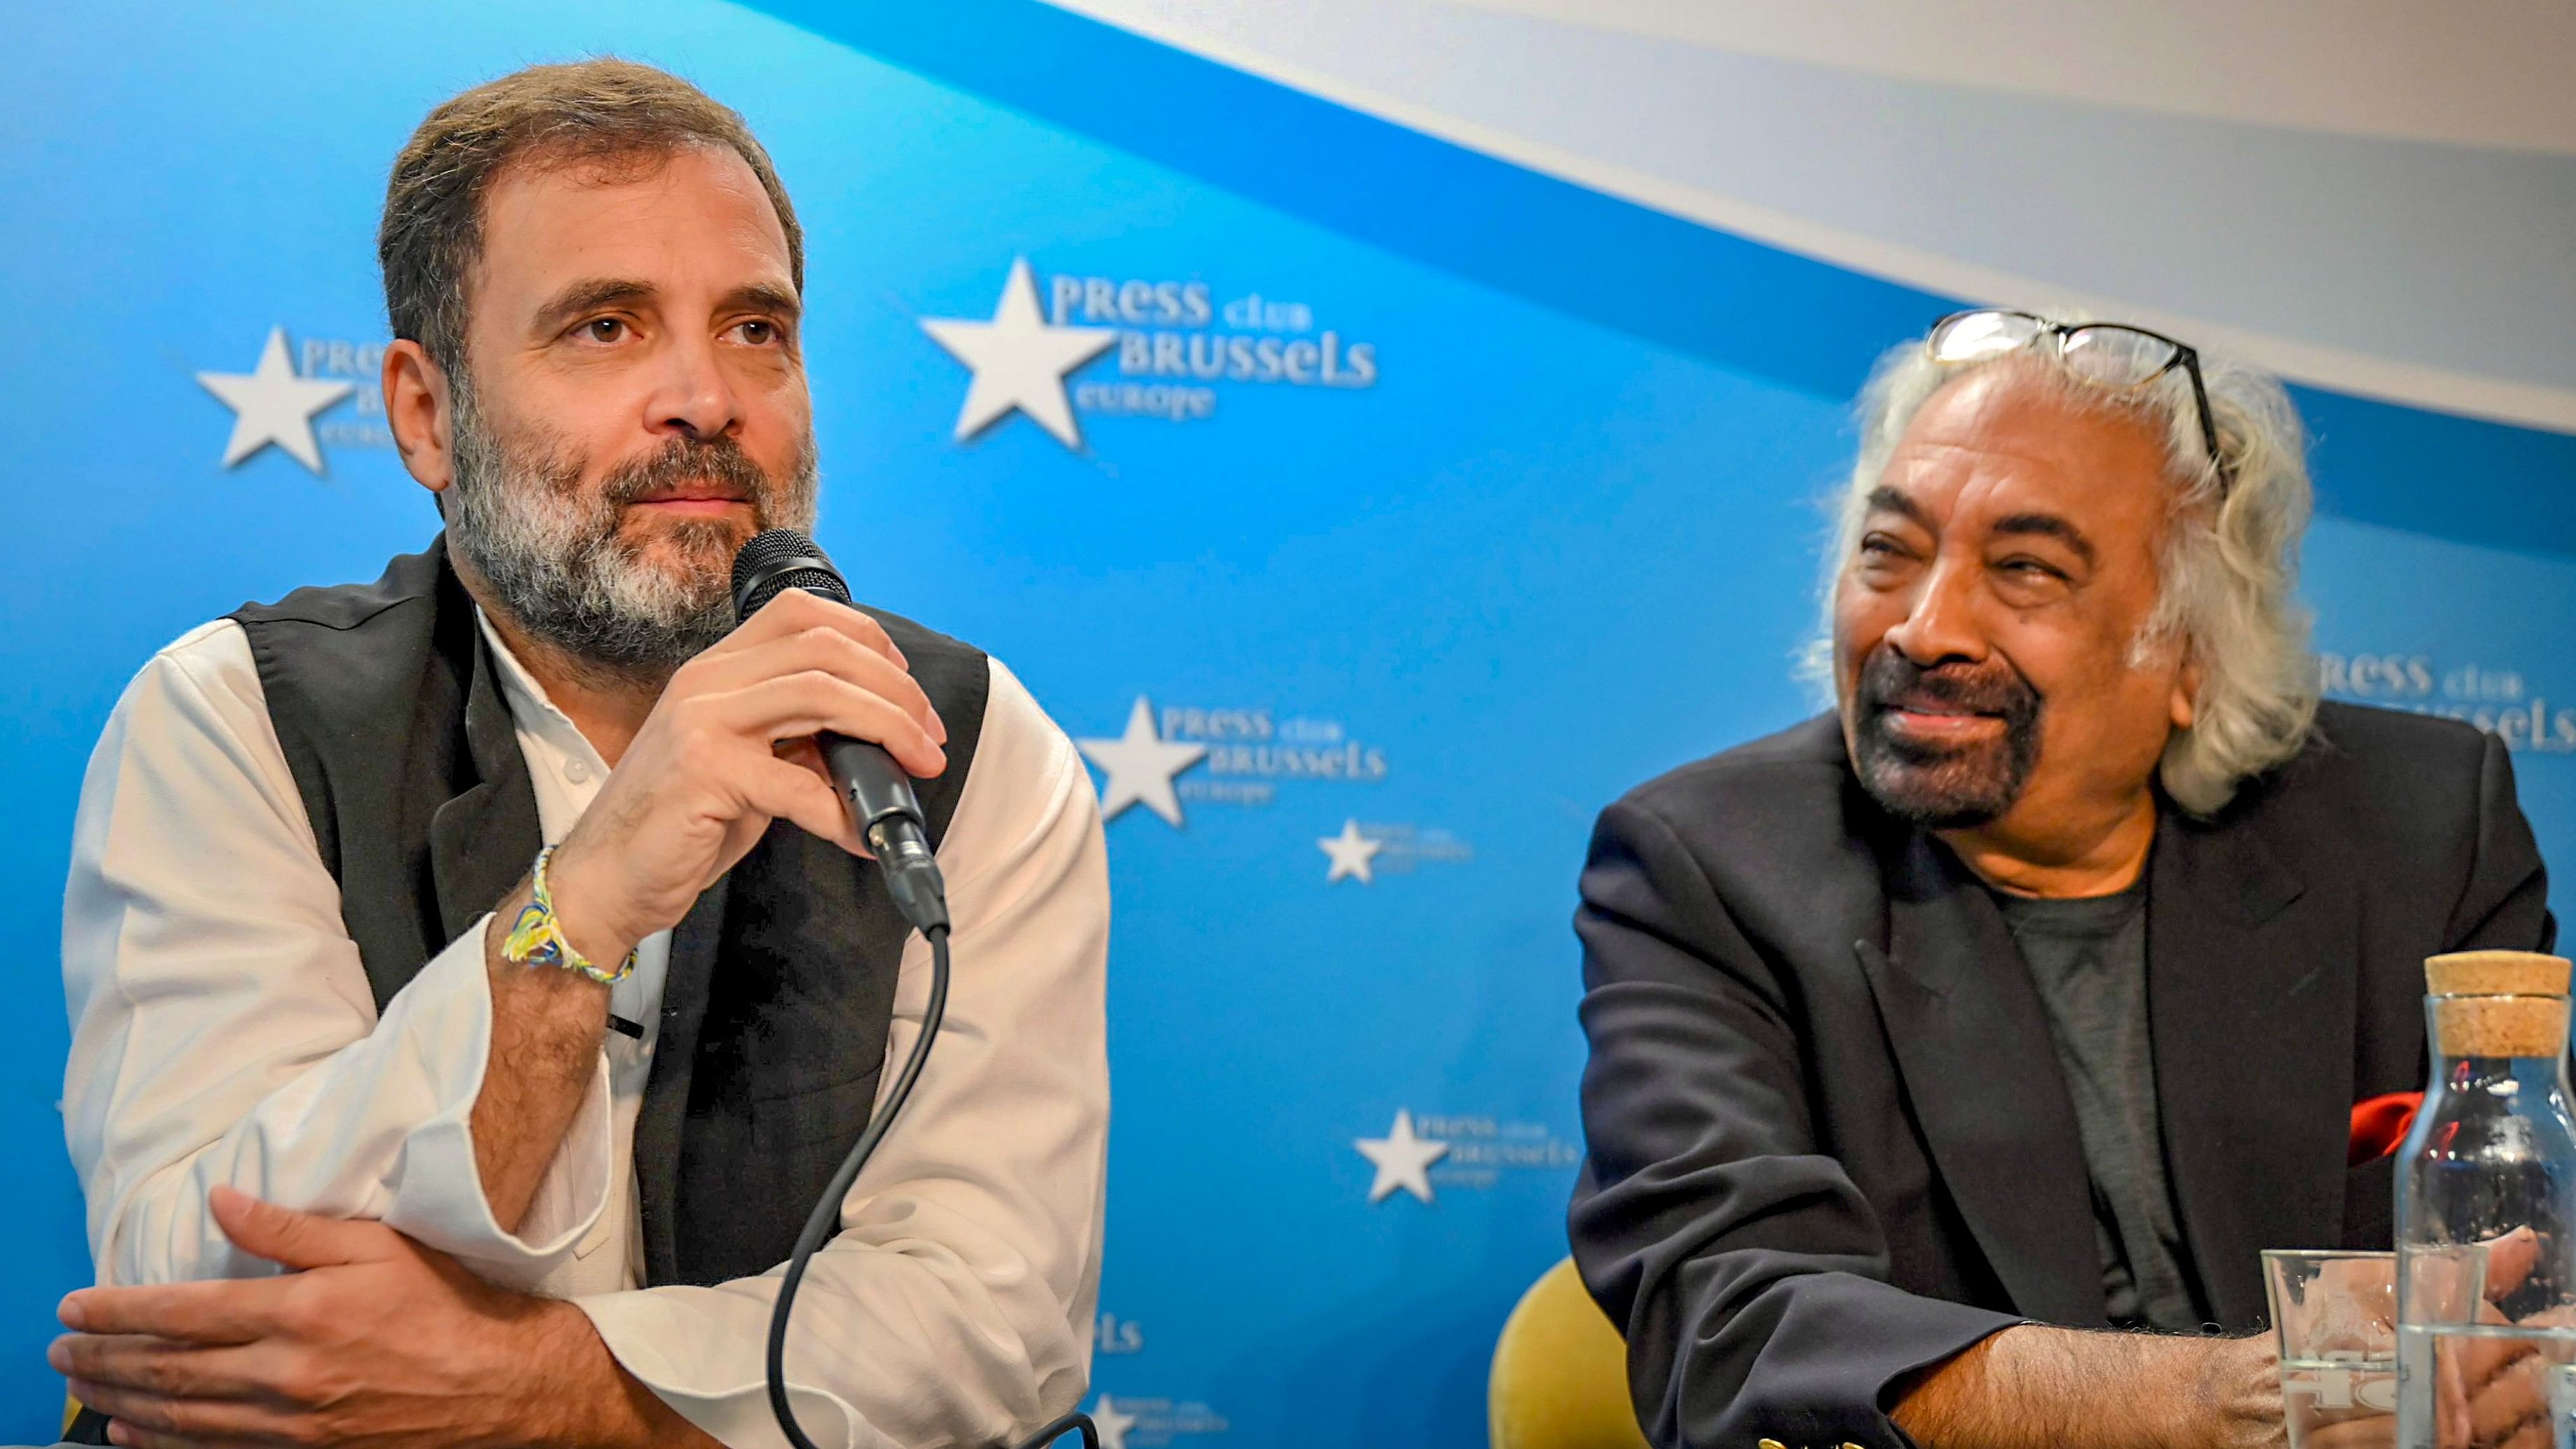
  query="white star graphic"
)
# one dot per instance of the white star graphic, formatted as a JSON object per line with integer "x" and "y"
{"x": 1140, "y": 765}
{"x": 1019, "y": 360}
{"x": 1401, "y": 1159}
{"x": 1113, "y": 1425}
{"x": 1351, "y": 853}
{"x": 272, "y": 405}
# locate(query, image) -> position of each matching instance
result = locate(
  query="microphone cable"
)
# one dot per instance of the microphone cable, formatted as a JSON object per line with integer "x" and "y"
{"x": 827, "y": 1215}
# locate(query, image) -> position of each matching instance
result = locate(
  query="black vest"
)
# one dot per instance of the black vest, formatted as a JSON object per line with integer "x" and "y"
{"x": 388, "y": 705}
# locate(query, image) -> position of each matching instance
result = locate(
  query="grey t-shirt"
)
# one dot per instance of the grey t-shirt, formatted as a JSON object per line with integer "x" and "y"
{"x": 2088, "y": 958}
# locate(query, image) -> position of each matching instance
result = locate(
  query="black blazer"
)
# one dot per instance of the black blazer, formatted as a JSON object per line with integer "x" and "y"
{"x": 1828, "y": 1139}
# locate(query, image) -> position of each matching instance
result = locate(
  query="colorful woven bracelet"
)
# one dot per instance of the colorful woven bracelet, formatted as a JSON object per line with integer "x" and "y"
{"x": 536, "y": 938}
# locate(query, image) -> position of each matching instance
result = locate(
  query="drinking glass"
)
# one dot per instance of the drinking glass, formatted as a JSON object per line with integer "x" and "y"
{"x": 2336, "y": 1317}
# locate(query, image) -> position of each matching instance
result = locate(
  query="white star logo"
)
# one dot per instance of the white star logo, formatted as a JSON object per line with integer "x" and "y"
{"x": 1113, "y": 1425}
{"x": 1140, "y": 765}
{"x": 272, "y": 405}
{"x": 1401, "y": 1158}
{"x": 1019, "y": 360}
{"x": 1351, "y": 853}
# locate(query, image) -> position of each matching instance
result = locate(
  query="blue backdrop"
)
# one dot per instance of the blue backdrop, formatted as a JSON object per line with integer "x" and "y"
{"x": 1545, "y": 529}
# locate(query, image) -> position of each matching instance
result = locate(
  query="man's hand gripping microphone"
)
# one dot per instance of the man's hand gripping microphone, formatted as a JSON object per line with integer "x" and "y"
{"x": 875, "y": 788}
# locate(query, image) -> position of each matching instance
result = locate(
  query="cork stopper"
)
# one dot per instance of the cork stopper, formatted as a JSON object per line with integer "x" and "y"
{"x": 2499, "y": 1026}
{"x": 2496, "y": 973}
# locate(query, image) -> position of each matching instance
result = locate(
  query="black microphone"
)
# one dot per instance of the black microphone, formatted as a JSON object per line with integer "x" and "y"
{"x": 875, "y": 788}
{"x": 880, "y": 801}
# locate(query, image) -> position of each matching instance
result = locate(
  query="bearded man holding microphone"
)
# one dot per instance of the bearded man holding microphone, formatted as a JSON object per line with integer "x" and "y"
{"x": 486, "y": 942}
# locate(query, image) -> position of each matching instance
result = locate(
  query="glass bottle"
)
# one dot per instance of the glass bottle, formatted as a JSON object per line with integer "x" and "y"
{"x": 2486, "y": 1208}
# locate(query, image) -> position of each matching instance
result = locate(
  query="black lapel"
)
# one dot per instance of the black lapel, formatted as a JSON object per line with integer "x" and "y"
{"x": 663, "y": 1115}
{"x": 2250, "y": 982}
{"x": 1982, "y": 1075}
{"x": 483, "y": 840}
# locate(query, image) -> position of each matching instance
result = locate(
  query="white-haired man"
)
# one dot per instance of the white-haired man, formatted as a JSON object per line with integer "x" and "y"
{"x": 2025, "y": 997}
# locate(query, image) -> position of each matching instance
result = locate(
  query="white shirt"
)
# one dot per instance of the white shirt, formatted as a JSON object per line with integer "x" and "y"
{"x": 223, "y": 1031}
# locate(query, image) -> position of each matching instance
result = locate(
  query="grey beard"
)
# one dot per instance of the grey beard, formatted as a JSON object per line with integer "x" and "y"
{"x": 1936, "y": 788}
{"x": 553, "y": 558}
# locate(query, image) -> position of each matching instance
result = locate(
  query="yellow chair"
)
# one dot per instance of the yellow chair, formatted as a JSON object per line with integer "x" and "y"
{"x": 1560, "y": 1378}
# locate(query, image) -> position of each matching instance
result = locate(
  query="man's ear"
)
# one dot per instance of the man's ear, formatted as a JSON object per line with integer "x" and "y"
{"x": 420, "y": 410}
{"x": 2185, "y": 705}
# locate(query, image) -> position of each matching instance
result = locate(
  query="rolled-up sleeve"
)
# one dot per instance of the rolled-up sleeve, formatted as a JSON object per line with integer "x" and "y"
{"x": 1746, "y": 1270}
{"x": 955, "y": 1304}
{"x": 223, "y": 1030}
